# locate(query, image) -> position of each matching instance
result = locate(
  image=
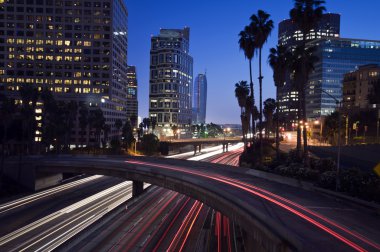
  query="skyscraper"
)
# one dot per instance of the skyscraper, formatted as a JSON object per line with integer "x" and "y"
{"x": 337, "y": 56}
{"x": 132, "y": 103}
{"x": 77, "y": 49}
{"x": 290, "y": 36}
{"x": 200, "y": 99}
{"x": 171, "y": 78}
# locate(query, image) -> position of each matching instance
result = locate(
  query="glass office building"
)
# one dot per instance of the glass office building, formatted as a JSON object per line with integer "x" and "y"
{"x": 200, "y": 99}
{"x": 171, "y": 81}
{"x": 290, "y": 36}
{"x": 132, "y": 103}
{"x": 337, "y": 56}
{"x": 75, "y": 48}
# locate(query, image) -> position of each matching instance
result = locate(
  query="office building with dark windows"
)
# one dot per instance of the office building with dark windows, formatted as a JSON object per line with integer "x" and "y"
{"x": 132, "y": 102}
{"x": 290, "y": 36}
{"x": 171, "y": 79}
{"x": 336, "y": 57}
{"x": 200, "y": 99}
{"x": 75, "y": 48}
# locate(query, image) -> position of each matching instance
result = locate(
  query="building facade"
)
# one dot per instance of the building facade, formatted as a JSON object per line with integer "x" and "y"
{"x": 357, "y": 85}
{"x": 200, "y": 99}
{"x": 336, "y": 57}
{"x": 171, "y": 78}
{"x": 132, "y": 102}
{"x": 290, "y": 37}
{"x": 77, "y": 49}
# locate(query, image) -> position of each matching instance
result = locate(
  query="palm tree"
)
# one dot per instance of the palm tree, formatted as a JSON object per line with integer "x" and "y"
{"x": 305, "y": 14}
{"x": 269, "y": 108}
{"x": 261, "y": 27}
{"x": 97, "y": 121}
{"x": 247, "y": 44}
{"x": 241, "y": 93}
{"x": 278, "y": 60}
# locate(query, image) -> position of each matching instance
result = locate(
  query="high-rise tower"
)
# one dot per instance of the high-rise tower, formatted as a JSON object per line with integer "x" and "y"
{"x": 171, "y": 78}
{"x": 200, "y": 99}
{"x": 77, "y": 49}
{"x": 290, "y": 36}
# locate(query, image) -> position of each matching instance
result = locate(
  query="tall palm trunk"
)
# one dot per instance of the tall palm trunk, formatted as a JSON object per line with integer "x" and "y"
{"x": 277, "y": 133}
{"x": 299, "y": 118}
{"x": 252, "y": 97}
{"x": 261, "y": 107}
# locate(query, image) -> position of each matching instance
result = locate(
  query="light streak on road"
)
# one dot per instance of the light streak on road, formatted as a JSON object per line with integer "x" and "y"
{"x": 227, "y": 181}
{"x": 67, "y": 222}
{"x": 40, "y": 195}
{"x": 213, "y": 153}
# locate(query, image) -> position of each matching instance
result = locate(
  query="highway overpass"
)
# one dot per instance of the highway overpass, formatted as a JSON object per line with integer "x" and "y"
{"x": 274, "y": 223}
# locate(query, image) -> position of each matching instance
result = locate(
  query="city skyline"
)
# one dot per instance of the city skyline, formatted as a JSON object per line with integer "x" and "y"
{"x": 227, "y": 68}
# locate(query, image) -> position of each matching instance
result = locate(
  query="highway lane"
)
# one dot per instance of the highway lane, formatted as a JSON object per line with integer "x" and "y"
{"x": 23, "y": 211}
{"x": 51, "y": 231}
{"x": 323, "y": 220}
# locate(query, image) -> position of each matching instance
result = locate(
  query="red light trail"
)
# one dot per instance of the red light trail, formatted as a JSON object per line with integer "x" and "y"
{"x": 243, "y": 186}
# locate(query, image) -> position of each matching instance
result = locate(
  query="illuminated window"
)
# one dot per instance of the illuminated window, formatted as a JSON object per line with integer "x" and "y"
{"x": 67, "y": 42}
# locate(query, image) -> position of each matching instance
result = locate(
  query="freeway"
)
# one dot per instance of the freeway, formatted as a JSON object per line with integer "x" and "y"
{"x": 52, "y": 230}
{"x": 25, "y": 210}
{"x": 307, "y": 220}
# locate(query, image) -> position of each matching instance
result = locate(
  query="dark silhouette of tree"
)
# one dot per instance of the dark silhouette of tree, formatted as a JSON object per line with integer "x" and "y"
{"x": 128, "y": 138}
{"x": 7, "y": 110}
{"x": 70, "y": 114}
{"x": 305, "y": 15}
{"x": 247, "y": 44}
{"x": 96, "y": 121}
{"x": 146, "y": 122}
{"x": 150, "y": 144}
{"x": 83, "y": 121}
{"x": 278, "y": 60}
{"x": 269, "y": 108}
{"x": 118, "y": 126}
{"x": 133, "y": 120}
{"x": 154, "y": 123}
{"x": 241, "y": 93}
{"x": 261, "y": 27}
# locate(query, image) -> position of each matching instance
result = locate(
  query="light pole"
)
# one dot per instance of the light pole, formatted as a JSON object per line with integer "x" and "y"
{"x": 339, "y": 103}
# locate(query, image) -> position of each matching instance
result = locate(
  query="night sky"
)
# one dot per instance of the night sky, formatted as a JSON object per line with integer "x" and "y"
{"x": 214, "y": 27}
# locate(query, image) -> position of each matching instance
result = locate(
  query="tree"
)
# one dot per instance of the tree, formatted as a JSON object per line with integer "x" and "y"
{"x": 305, "y": 14}
{"x": 278, "y": 60}
{"x": 154, "y": 123}
{"x": 83, "y": 120}
{"x": 261, "y": 27}
{"x": 241, "y": 93}
{"x": 7, "y": 109}
{"x": 150, "y": 144}
{"x": 97, "y": 121}
{"x": 118, "y": 125}
{"x": 127, "y": 133}
{"x": 133, "y": 120}
{"x": 247, "y": 44}
{"x": 269, "y": 108}
{"x": 331, "y": 127}
{"x": 146, "y": 122}
{"x": 70, "y": 115}
{"x": 175, "y": 131}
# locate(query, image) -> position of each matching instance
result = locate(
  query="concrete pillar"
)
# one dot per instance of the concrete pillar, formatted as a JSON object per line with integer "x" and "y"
{"x": 226, "y": 147}
{"x": 137, "y": 188}
{"x": 200, "y": 148}
{"x": 223, "y": 147}
{"x": 195, "y": 149}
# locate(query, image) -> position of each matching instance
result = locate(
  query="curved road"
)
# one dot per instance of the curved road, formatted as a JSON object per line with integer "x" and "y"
{"x": 307, "y": 220}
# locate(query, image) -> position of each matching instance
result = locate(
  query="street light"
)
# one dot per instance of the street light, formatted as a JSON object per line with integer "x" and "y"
{"x": 339, "y": 103}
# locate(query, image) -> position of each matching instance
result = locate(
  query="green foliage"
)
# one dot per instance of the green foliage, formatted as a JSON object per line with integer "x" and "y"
{"x": 127, "y": 135}
{"x": 150, "y": 144}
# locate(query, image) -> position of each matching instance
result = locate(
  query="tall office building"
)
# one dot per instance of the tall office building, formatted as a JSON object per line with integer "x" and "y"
{"x": 200, "y": 99}
{"x": 290, "y": 36}
{"x": 75, "y": 48}
{"x": 132, "y": 103}
{"x": 337, "y": 56}
{"x": 171, "y": 78}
